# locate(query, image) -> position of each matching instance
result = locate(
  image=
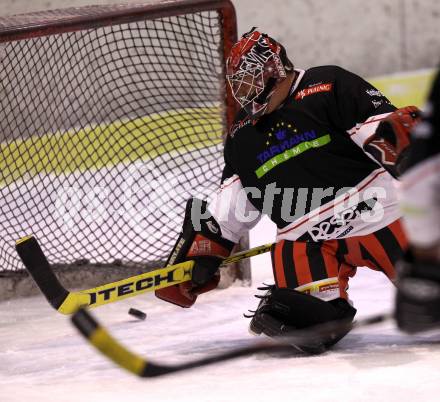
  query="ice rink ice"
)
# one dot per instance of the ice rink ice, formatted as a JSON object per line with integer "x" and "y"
{"x": 43, "y": 358}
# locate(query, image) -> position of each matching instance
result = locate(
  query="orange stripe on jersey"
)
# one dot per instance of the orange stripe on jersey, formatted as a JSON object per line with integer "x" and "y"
{"x": 346, "y": 272}
{"x": 328, "y": 251}
{"x": 397, "y": 230}
{"x": 302, "y": 267}
{"x": 353, "y": 256}
{"x": 374, "y": 247}
{"x": 278, "y": 263}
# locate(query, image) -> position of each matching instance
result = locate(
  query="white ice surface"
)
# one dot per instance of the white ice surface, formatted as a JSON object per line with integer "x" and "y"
{"x": 43, "y": 358}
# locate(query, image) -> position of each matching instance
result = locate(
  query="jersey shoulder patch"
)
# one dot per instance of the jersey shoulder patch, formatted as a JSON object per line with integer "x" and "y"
{"x": 316, "y": 80}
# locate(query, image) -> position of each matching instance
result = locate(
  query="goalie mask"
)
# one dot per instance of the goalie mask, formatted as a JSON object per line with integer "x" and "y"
{"x": 254, "y": 67}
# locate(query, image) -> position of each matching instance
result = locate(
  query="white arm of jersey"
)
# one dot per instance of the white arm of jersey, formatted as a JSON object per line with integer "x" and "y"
{"x": 362, "y": 131}
{"x": 232, "y": 210}
{"x": 420, "y": 199}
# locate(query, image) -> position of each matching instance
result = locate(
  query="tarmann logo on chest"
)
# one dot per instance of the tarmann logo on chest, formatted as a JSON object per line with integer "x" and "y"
{"x": 284, "y": 136}
{"x": 285, "y": 142}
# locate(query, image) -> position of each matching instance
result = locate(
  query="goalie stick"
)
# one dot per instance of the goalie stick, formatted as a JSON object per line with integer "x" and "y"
{"x": 67, "y": 302}
{"x": 100, "y": 338}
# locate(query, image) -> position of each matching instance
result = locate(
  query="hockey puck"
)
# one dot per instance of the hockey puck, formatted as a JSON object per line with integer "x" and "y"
{"x": 137, "y": 313}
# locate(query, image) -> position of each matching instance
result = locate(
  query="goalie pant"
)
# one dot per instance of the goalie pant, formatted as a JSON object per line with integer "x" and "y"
{"x": 315, "y": 144}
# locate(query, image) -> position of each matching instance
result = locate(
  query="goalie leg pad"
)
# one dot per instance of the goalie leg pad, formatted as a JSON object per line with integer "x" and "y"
{"x": 282, "y": 311}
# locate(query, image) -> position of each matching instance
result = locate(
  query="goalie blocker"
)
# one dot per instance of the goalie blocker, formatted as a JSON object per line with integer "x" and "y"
{"x": 201, "y": 241}
{"x": 390, "y": 143}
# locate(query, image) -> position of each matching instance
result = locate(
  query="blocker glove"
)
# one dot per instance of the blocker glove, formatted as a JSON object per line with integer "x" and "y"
{"x": 201, "y": 241}
{"x": 418, "y": 295}
{"x": 389, "y": 145}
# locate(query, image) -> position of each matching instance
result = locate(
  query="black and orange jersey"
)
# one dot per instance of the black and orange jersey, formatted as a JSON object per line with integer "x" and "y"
{"x": 307, "y": 155}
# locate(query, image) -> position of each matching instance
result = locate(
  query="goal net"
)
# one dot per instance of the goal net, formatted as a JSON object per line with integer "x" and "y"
{"x": 111, "y": 117}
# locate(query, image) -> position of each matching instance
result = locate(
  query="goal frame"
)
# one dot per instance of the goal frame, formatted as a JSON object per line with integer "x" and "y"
{"x": 45, "y": 23}
{"x": 59, "y": 21}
